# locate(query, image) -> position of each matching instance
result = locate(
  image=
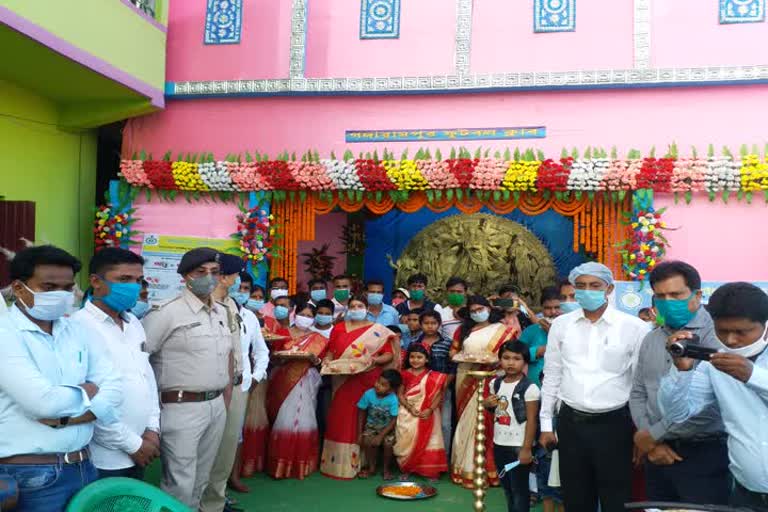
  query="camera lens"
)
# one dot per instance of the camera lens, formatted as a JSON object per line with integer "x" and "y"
{"x": 677, "y": 349}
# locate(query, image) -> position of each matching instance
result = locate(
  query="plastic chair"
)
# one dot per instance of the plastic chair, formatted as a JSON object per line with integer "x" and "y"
{"x": 124, "y": 495}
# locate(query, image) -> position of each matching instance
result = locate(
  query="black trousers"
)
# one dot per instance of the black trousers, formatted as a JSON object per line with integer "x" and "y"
{"x": 746, "y": 499}
{"x": 702, "y": 477}
{"x": 595, "y": 459}
{"x": 515, "y": 482}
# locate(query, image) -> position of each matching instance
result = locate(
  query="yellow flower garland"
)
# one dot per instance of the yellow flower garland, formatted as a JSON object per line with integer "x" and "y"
{"x": 187, "y": 177}
{"x": 405, "y": 175}
{"x": 521, "y": 175}
{"x": 754, "y": 173}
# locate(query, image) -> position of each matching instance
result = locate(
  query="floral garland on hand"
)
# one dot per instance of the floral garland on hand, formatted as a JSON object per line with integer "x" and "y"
{"x": 255, "y": 233}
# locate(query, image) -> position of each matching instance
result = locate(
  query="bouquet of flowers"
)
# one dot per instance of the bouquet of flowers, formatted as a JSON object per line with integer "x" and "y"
{"x": 254, "y": 230}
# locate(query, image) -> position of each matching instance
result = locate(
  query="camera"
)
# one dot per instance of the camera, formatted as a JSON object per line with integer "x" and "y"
{"x": 690, "y": 348}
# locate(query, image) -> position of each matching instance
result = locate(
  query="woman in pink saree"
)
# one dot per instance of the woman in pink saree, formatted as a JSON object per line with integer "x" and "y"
{"x": 358, "y": 352}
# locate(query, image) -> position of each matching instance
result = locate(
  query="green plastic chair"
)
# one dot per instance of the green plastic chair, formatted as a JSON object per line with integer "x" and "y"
{"x": 124, "y": 495}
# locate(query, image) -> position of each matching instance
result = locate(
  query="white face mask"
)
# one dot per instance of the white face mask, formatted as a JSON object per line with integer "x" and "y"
{"x": 750, "y": 350}
{"x": 49, "y": 306}
{"x": 304, "y": 322}
{"x": 276, "y": 293}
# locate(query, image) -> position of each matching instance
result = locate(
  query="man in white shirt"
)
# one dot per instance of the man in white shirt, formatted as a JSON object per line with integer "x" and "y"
{"x": 124, "y": 448}
{"x": 589, "y": 362}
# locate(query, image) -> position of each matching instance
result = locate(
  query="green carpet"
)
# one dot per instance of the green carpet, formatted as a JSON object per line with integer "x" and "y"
{"x": 320, "y": 494}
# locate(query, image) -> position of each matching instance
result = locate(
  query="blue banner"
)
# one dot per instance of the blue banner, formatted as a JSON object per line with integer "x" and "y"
{"x": 632, "y": 296}
{"x": 518, "y": 132}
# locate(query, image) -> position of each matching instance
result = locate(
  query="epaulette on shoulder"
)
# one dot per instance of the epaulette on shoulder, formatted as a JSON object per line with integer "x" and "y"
{"x": 163, "y": 303}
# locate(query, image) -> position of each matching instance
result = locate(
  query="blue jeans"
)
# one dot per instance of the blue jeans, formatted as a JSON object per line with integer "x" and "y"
{"x": 515, "y": 482}
{"x": 48, "y": 487}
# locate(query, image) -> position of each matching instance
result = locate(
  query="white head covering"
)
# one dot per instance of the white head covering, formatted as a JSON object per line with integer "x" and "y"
{"x": 591, "y": 269}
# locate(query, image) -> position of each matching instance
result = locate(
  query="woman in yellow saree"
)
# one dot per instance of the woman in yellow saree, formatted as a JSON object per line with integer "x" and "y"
{"x": 475, "y": 347}
{"x": 358, "y": 352}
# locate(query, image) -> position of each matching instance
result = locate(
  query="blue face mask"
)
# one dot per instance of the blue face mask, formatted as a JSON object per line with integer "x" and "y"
{"x": 480, "y": 316}
{"x": 323, "y": 319}
{"x": 675, "y": 312}
{"x": 375, "y": 299}
{"x": 356, "y": 314}
{"x": 569, "y": 307}
{"x": 318, "y": 295}
{"x": 121, "y": 296}
{"x": 590, "y": 300}
{"x": 140, "y": 309}
{"x": 281, "y": 312}
{"x": 254, "y": 305}
{"x": 240, "y": 297}
{"x": 235, "y": 288}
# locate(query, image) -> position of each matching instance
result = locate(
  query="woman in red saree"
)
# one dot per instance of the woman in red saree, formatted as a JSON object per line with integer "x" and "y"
{"x": 419, "y": 447}
{"x": 294, "y": 442}
{"x": 256, "y": 430}
{"x": 475, "y": 347}
{"x": 358, "y": 352}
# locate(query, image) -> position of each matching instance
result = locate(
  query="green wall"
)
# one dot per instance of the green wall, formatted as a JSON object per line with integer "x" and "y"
{"x": 107, "y": 29}
{"x": 53, "y": 168}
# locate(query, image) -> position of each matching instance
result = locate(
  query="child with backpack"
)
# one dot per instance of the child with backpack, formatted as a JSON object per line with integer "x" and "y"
{"x": 515, "y": 406}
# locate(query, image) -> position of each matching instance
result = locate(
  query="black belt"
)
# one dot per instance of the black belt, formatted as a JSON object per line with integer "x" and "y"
{"x": 676, "y": 443}
{"x": 762, "y": 497}
{"x": 177, "y": 397}
{"x": 587, "y": 417}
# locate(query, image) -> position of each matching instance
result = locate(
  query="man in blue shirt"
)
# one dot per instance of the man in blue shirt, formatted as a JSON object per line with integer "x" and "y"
{"x": 55, "y": 383}
{"x": 736, "y": 379}
{"x": 379, "y": 312}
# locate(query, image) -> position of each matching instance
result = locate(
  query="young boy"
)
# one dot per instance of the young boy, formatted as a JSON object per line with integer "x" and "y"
{"x": 414, "y": 327}
{"x": 515, "y": 403}
{"x": 324, "y": 317}
{"x": 377, "y": 413}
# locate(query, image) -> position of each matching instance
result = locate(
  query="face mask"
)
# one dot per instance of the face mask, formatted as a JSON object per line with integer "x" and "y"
{"x": 202, "y": 286}
{"x": 235, "y": 288}
{"x": 240, "y": 297}
{"x": 254, "y": 305}
{"x": 417, "y": 295}
{"x": 590, "y": 300}
{"x": 750, "y": 350}
{"x": 276, "y": 293}
{"x": 281, "y": 312}
{"x": 121, "y": 296}
{"x": 455, "y": 299}
{"x": 480, "y": 316}
{"x": 674, "y": 312}
{"x": 375, "y": 299}
{"x": 397, "y": 302}
{"x": 341, "y": 295}
{"x": 318, "y": 295}
{"x": 140, "y": 309}
{"x": 49, "y": 306}
{"x": 356, "y": 314}
{"x": 323, "y": 319}
{"x": 304, "y": 322}
{"x": 569, "y": 307}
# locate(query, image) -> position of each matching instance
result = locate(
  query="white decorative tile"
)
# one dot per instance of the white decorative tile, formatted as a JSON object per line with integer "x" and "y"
{"x": 379, "y": 19}
{"x": 554, "y": 15}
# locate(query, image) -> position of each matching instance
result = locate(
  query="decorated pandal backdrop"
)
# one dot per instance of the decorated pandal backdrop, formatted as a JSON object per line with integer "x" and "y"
{"x": 516, "y": 217}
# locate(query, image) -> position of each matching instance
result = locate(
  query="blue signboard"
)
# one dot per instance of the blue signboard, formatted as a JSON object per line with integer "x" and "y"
{"x": 520, "y": 132}
{"x": 632, "y": 296}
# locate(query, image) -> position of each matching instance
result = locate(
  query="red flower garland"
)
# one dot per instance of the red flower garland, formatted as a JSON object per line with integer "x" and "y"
{"x": 656, "y": 174}
{"x": 462, "y": 169}
{"x": 373, "y": 176}
{"x": 278, "y": 175}
{"x": 553, "y": 175}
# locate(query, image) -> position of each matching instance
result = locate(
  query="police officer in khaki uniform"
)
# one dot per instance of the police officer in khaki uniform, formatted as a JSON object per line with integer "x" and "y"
{"x": 189, "y": 339}
{"x": 214, "y": 497}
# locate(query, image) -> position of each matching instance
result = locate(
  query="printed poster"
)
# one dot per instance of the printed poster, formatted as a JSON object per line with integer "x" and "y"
{"x": 162, "y": 254}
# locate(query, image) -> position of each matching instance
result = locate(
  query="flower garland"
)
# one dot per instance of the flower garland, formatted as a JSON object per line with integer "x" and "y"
{"x": 255, "y": 233}
{"x": 521, "y": 172}
{"x": 646, "y": 246}
{"x": 112, "y": 225}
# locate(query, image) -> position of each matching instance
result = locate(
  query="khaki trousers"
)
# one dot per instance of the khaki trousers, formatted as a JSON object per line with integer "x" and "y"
{"x": 191, "y": 435}
{"x": 215, "y": 493}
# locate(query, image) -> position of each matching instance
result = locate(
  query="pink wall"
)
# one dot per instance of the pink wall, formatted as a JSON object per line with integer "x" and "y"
{"x": 624, "y": 118}
{"x": 503, "y": 38}
{"x": 714, "y": 237}
{"x": 199, "y": 219}
{"x": 263, "y": 51}
{"x": 684, "y": 33}
{"x": 426, "y": 43}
